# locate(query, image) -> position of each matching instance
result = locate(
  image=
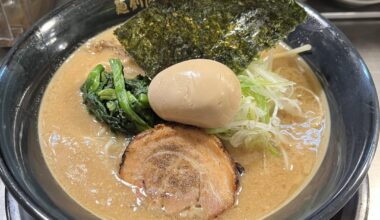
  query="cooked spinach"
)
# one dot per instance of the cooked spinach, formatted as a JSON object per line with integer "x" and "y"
{"x": 120, "y": 103}
{"x": 231, "y": 32}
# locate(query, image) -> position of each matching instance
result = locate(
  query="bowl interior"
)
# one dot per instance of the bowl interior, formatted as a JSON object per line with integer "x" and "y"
{"x": 33, "y": 61}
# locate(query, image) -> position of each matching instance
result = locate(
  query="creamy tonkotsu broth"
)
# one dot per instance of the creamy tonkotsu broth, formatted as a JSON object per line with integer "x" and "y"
{"x": 84, "y": 155}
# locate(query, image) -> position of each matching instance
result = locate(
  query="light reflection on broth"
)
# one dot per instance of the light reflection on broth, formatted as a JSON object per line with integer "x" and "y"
{"x": 84, "y": 156}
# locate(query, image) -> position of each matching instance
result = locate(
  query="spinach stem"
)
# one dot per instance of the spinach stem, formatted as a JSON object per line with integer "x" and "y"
{"x": 107, "y": 94}
{"x": 122, "y": 96}
{"x": 93, "y": 79}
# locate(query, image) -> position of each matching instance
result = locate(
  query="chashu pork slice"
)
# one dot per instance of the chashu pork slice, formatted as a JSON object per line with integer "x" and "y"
{"x": 181, "y": 170}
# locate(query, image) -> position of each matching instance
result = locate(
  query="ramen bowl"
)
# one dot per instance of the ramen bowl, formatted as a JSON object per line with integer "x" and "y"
{"x": 29, "y": 66}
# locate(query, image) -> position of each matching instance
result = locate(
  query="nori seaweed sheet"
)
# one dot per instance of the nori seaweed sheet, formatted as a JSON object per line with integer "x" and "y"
{"x": 231, "y": 32}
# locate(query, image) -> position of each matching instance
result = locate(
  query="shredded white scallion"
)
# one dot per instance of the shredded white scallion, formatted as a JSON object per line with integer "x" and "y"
{"x": 265, "y": 93}
{"x": 298, "y": 50}
{"x": 285, "y": 157}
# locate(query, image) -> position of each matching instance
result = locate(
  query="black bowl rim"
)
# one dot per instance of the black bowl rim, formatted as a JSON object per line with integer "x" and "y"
{"x": 327, "y": 211}
{"x": 17, "y": 192}
{"x": 331, "y": 207}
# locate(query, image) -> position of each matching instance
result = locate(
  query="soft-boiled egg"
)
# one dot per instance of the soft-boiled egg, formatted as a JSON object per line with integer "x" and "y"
{"x": 198, "y": 92}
